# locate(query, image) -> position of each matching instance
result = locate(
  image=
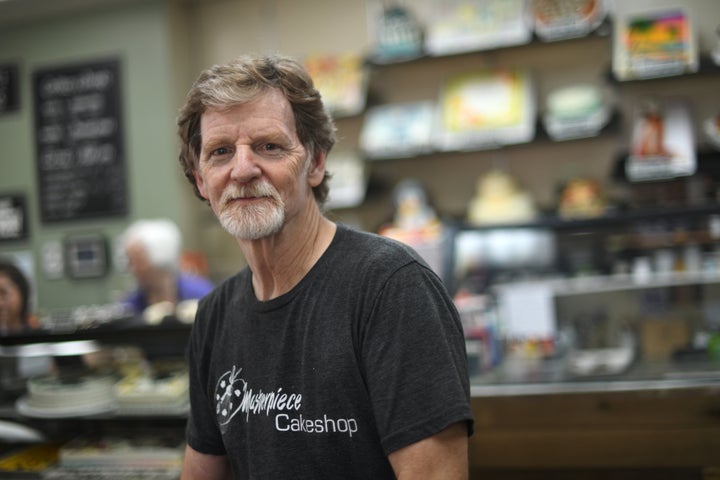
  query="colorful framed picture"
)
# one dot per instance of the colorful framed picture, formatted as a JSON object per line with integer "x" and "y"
{"x": 398, "y": 130}
{"x": 654, "y": 44}
{"x": 662, "y": 141}
{"x": 486, "y": 109}
{"x": 341, "y": 80}
{"x": 562, "y": 19}
{"x": 457, "y": 26}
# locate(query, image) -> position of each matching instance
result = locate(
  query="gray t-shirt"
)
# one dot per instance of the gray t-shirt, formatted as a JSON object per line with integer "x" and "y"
{"x": 364, "y": 356}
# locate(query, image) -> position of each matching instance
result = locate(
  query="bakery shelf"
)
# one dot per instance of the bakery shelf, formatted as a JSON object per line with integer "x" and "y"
{"x": 608, "y": 220}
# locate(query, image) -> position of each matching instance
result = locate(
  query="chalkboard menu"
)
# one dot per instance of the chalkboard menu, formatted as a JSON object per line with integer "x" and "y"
{"x": 80, "y": 154}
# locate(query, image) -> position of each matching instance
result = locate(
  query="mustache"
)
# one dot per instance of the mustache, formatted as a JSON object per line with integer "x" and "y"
{"x": 261, "y": 189}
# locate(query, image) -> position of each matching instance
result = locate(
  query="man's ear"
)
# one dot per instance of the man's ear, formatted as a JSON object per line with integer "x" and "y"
{"x": 200, "y": 183}
{"x": 316, "y": 172}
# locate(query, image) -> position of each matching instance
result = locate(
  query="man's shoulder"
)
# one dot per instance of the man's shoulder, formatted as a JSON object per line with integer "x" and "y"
{"x": 369, "y": 245}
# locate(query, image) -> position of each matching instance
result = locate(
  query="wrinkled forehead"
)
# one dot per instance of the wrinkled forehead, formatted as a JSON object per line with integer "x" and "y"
{"x": 270, "y": 112}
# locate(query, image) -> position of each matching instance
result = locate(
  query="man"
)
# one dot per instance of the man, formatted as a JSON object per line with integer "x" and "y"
{"x": 336, "y": 353}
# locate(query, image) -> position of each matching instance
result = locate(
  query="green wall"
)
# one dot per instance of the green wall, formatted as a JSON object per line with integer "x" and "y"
{"x": 138, "y": 34}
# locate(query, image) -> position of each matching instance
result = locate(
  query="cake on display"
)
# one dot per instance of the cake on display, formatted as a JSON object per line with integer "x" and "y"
{"x": 341, "y": 79}
{"x": 160, "y": 388}
{"x": 581, "y": 198}
{"x": 561, "y": 19}
{"x": 663, "y": 145}
{"x": 500, "y": 200}
{"x": 466, "y": 25}
{"x": 656, "y": 43}
{"x": 68, "y": 394}
{"x": 398, "y": 130}
{"x": 398, "y": 35}
{"x": 416, "y": 223}
{"x": 575, "y": 111}
{"x": 486, "y": 109}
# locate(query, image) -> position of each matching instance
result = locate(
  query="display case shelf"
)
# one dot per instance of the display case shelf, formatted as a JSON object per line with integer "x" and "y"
{"x": 602, "y": 32}
{"x": 612, "y": 219}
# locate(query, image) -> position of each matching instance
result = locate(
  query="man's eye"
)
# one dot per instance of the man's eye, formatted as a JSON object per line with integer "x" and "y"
{"x": 220, "y": 151}
{"x": 270, "y": 147}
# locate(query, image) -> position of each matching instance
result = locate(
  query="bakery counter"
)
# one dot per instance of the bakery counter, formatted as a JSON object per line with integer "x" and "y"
{"x": 515, "y": 377}
{"x": 654, "y": 420}
{"x": 124, "y": 368}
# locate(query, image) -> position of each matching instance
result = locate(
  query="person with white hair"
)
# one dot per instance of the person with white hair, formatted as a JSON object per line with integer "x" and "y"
{"x": 153, "y": 249}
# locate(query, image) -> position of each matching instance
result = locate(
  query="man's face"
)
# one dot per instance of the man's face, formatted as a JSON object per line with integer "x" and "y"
{"x": 253, "y": 169}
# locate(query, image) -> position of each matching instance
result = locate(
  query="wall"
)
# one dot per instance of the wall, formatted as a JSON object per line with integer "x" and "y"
{"x": 138, "y": 33}
{"x": 164, "y": 44}
{"x": 226, "y": 28}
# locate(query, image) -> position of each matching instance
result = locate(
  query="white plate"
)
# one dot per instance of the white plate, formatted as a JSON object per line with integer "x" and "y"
{"x": 26, "y": 409}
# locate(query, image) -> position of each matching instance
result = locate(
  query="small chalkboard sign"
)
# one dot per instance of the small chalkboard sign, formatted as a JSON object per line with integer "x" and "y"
{"x": 80, "y": 153}
{"x": 13, "y": 217}
{"x": 9, "y": 88}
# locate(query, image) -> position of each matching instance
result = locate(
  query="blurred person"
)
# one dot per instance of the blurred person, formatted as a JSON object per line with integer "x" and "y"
{"x": 15, "y": 314}
{"x": 153, "y": 249}
{"x": 17, "y": 318}
{"x": 335, "y": 353}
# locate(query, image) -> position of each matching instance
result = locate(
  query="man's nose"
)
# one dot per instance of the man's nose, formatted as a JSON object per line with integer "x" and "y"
{"x": 245, "y": 165}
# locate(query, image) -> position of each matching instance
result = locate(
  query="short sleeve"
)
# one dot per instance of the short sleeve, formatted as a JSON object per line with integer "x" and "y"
{"x": 414, "y": 359}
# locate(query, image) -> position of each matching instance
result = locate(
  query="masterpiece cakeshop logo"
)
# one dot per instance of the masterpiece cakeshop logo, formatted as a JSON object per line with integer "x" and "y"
{"x": 234, "y": 396}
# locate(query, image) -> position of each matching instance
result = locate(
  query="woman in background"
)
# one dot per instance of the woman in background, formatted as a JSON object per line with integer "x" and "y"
{"x": 15, "y": 317}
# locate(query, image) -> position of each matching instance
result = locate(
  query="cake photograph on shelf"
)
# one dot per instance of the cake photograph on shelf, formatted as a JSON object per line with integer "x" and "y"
{"x": 398, "y": 130}
{"x": 395, "y": 30}
{"x": 656, "y": 43}
{"x": 563, "y": 19}
{"x": 486, "y": 109}
{"x": 575, "y": 111}
{"x": 663, "y": 145}
{"x": 341, "y": 79}
{"x": 458, "y": 26}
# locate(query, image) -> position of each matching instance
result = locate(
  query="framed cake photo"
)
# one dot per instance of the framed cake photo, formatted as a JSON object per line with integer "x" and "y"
{"x": 398, "y": 130}
{"x": 458, "y": 26}
{"x": 341, "y": 79}
{"x": 486, "y": 109}
{"x": 662, "y": 141}
{"x": 562, "y": 19}
{"x": 658, "y": 43}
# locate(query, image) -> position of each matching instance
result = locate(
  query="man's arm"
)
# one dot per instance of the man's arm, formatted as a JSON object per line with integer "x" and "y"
{"x": 199, "y": 466}
{"x": 443, "y": 456}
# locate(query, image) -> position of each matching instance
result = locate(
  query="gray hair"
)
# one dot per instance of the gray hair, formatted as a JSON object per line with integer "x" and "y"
{"x": 161, "y": 240}
{"x": 239, "y": 82}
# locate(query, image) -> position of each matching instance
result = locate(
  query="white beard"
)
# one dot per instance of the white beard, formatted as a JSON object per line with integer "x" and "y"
{"x": 262, "y": 219}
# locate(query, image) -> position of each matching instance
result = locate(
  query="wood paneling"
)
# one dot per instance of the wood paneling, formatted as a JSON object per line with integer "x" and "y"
{"x": 648, "y": 429}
